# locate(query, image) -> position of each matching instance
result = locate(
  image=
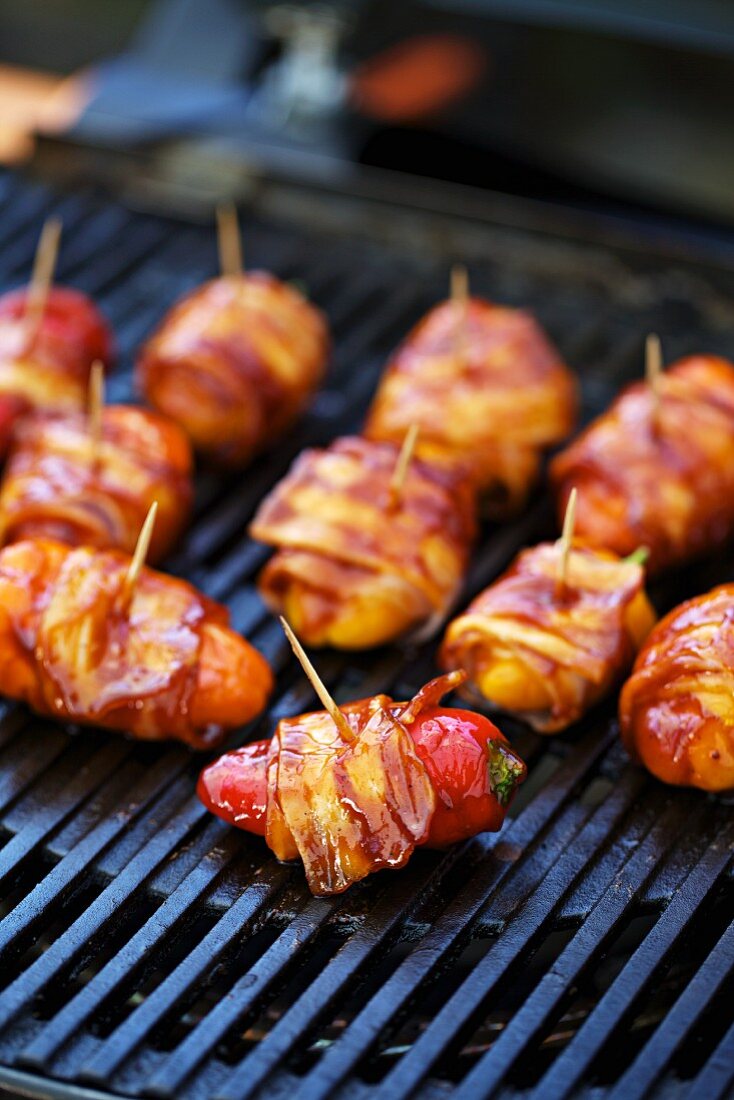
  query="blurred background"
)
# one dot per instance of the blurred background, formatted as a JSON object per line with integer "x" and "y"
{"x": 617, "y": 105}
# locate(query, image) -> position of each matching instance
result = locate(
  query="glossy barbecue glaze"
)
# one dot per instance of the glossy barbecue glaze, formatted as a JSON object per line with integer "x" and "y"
{"x": 48, "y": 369}
{"x": 676, "y": 710}
{"x": 157, "y": 662}
{"x": 548, "y": 652}
{"x": 663, "y": 481}
{"x": 352, "y": 570}
{"x": 486, "y": 387}
{"x": 234, "y": 363}
{"x": 58, "y": 484}
{"x": 415, "y": 774}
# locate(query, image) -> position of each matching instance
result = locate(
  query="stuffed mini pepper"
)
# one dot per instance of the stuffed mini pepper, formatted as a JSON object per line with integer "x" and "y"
{"x": 361, "y": 793}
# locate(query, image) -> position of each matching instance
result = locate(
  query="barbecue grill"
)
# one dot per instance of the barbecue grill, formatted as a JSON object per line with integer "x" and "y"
{"x": 146, "y": 949}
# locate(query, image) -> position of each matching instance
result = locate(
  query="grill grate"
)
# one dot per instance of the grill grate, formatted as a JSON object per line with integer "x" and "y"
{"x": 148, "y": 950}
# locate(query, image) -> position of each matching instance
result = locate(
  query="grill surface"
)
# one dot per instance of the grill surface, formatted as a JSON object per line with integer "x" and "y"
{"x": 147, "y": 949}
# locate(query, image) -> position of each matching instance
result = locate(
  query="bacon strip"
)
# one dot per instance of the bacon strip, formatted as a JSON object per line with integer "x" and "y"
{"x": 486, "y": 388}
{"x": 350, "y": 808}
{"x": 72, "y": 649}
{"x": 676, "y": 711}
{"x": 235, "y": 363}
{"x": 549, "y": 654}
{"x": 55, "y": 486}
{"x": 347, "y": 552}
{"x": 665, "y": 482}
{"x": 47, "y": 370}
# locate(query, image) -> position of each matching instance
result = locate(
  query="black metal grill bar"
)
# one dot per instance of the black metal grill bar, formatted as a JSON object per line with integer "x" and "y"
{"x": 233, "y": 924}
{"x": 335, "y": 980}
{"x": 447, "y": 932}
{"x": 11, "y": 720}
{"x": 560, "y": 874}
{"x": 112, "y": 906}
{"x": 18, "y": 770}
{"x": 245, "y": 995}
{"x": 665, "y": 882}
{"x": 195, "y": 1047}
{"x": 86, "y": 773}
{"x": 279, "y": 956}
{"x": 33, "y": 806}
{"x": 717, "y": 1077}
{"x": 20, "y": 237}
{"x": 587, "y": 892}
{"x": 572, "y": 1063}
{"x": 527, "y": 1024}
{"x": 62, "y": 951}
{"x": 32, "y": 908}
{"x": 122, "y": 966}
{"x": 692, "y": 1003}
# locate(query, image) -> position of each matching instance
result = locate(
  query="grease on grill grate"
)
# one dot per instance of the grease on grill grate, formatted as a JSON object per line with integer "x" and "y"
{"x": 146, "y": 949}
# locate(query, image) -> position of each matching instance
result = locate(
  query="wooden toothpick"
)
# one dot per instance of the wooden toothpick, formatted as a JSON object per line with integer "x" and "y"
{"x": 317, "y": 684}
{"x": 459, "y": 285}
{"x": 638, "y": 556}
{"x": 566, "y": 540}
{"x": 228, "y": 239}
{"x": 397, "y": 481}
{"x": 95, "y": 407}
{"x": 460, "y": 299}
{"x": 44, "y": 266}
{"x": 138, "y": 558}
{"x": 653, "y": 372}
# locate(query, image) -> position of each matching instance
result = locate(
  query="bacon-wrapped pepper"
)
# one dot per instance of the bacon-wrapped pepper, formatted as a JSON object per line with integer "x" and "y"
{"x": 676, "y": 711}
{"x": 158, "y": 662}
{"x": 414, "y": 774}
{"x": 234, "y": 363}
{"x": 352, "y": 569}
{"x": 658, "y": 472}
{"x": 63, "y": 484}
{"x": 486, "y": 387}
{"x": 545, "y": 651}
{"x": 46, "y": 367}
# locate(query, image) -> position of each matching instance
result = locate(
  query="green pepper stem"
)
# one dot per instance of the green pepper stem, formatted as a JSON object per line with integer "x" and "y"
{"x": 506, "y": 771}
{"x": 638, "y": 556}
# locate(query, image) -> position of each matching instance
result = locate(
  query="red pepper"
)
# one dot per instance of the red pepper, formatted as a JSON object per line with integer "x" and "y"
{"x": 70, "y": 336}
{"x": 71, "y": 322}
{"x": 473, "y": 770}
{"x": 11, "y": 409}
